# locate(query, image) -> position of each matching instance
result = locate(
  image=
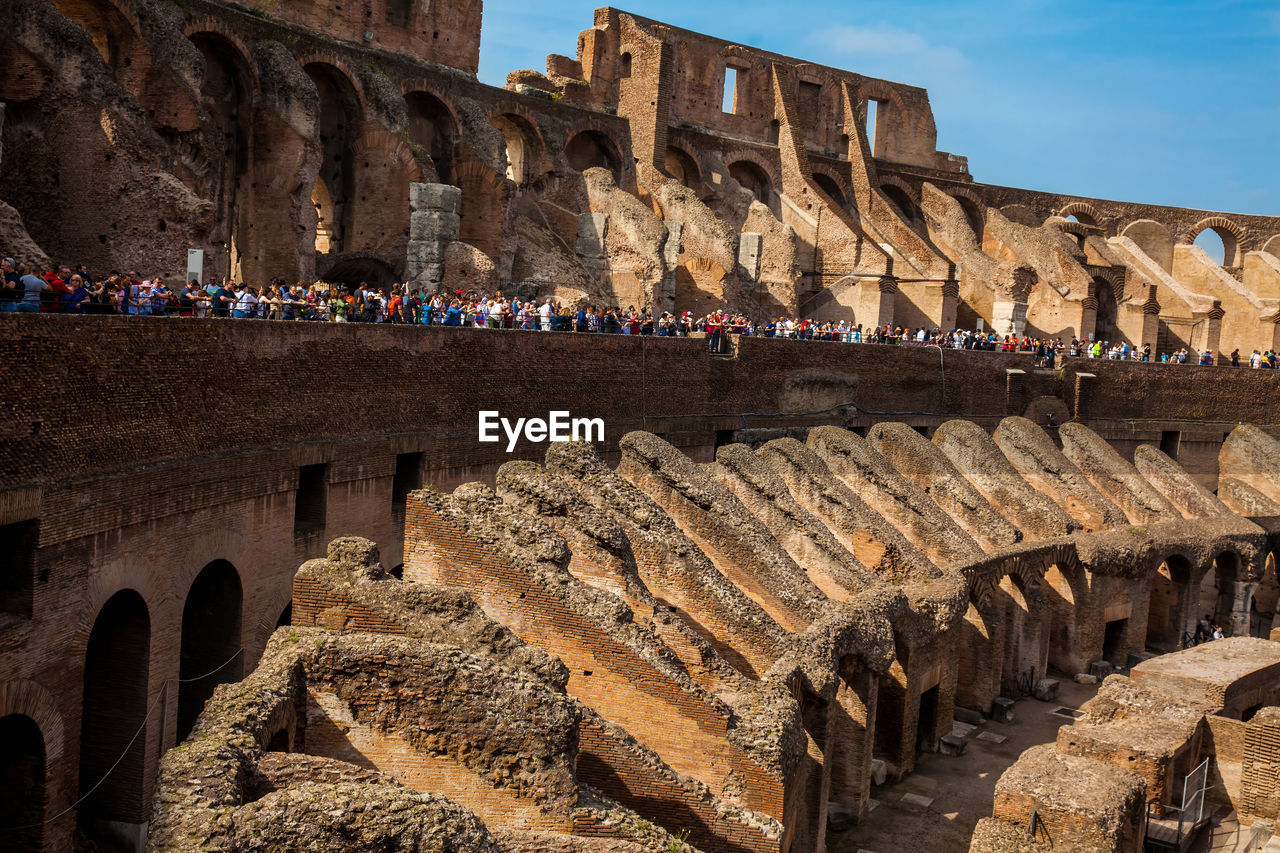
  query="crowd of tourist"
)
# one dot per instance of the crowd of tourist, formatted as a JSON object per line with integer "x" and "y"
{"x": 78, "y": 292}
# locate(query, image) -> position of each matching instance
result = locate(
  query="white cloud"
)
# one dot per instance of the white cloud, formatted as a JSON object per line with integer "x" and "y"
{"x": 888, "y": 42}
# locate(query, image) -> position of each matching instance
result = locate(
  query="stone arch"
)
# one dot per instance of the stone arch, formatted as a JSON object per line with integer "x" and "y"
{"x": 1106, "y": 303}
{"x": 754, "y": 178}
{"x": 1065, "y": 591}
{"x": 21, "y": 696}
{"x": 679, "y": 165}
{"x": 1153, "y": 238}
{"x": 211, "y": 651}
{"x": 116, "y": 33}
{"x": 277, "y": 611}
{"x": 815, "y": 771}
{"x": 1169, "y": 616}
{"x": 484, "y": 197}
{"x": 114, "y": 714}
{"x": 1234, "y": 238}
{"x": 1216, "y": 588}
{"x": 227, "y": 98}
{"x": 974, "y": 208}
{"x": 23, "y": 774}
{"x": 832, "y": 183}
{"x": 339, "y": 122}
{"x": 978, "y": 677}
{"x": 1085, "y": 213}
{"x": 352, "y": 268}
{"x": 522, "y": 146}
{"x": 434, "y": 132}
{"x": 1272, "y": 245}
{"x": 1025, "y": 645}
{"x": 1264, "y": 603}
{"x": 902, "y": 200}
{"x": 591, "y": 149}
{"x": 1021, "y": 214}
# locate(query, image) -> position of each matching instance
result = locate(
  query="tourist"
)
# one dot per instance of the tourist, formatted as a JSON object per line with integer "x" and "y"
{"x": 33, "y": 286}
{"x": 10, "y": 286}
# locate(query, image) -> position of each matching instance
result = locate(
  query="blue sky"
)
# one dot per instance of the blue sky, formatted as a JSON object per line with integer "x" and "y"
{"x": 1163, "y": 101}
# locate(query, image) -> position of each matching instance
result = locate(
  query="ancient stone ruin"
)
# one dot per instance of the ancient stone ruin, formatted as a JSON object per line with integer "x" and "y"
{"x": 261, "y": 588}
{"x": 657, "y": 167}
{"x": 722, "y": 655}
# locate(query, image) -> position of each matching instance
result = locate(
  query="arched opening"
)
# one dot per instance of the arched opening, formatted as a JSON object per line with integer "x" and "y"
{"x": 809, "y": 835}
{"x": 752, "y": 178}
{"x": 624, "y": 65}
{"x": 682, "y": 167}
{"x": 113, "y": 35}
{"x": 1153, "y": 239}
{"x": 977, "y": 682}
{"x": 339, "y": 125}
{"x": 1104, "y": 327}
{"x": 974, "y": 215}
{"x": 518, "y": 149}
{"x": 1217, "y": 590}
{"x": 226, "y": 94}
{"x": 433, "y": 130}
{"x": 829, "y": 186}
{"x": 1061, "y": 597}
{"x": 906, "y": 206}
{"x": 323, "y": 201}
{"x": 891, "y": 706}
{"x": 1022, "y": 637}
{"x": 113, "y": 716}
{"x": 22, "y": 772}
{"x": 849, "y": 752}
{"x": 1082, "y": 218}
{"x": 1168, "y": 622}
{"x": 593, "y": 150}
{"x": 1214, "y": 243}
{"x": 211, "y": 651}
{"x": 356, "y": 269}
{"x": 1266, "y": 598}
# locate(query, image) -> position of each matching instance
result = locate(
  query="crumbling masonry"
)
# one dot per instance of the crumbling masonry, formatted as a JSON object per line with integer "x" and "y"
{"x": 659, "y": 167}
{"x": 721, "y": 654}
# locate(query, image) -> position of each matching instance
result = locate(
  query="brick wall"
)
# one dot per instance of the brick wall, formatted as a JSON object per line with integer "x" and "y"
{"x": 1260, "y": 773}
{"x": 607, "y": 676}
{"x": 140, "y": 477}
{"x": 609, "y": 764}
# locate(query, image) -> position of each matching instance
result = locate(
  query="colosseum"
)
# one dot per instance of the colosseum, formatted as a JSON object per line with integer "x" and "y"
{"x": 262, "y": 588}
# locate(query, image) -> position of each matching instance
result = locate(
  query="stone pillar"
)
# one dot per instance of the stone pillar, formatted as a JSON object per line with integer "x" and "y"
{"x": 1242, "y": 594}
{"x": 1008, "y": 317}
{"x": 950, "y": 302}
{"x": 592, "y": 228}
{"x": 1209, "y": 332}
{"x": 433, "y": 225}
{"x": 666, "y": 301}
{"x": 887, "y": 292}
{"x": 749, "y": 259}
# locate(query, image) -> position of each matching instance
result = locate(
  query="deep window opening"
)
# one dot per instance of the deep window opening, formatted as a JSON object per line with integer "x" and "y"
{"x": 309, "y": 500}
{"x": 1169, "y": 441}
{"x": 18, "y": 566}
{"x": 408, "y": 478}
{"x": 873, "y": 114}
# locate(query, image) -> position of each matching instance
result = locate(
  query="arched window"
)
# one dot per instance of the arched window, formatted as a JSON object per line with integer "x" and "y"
{"x": 113, "y": 715}
{"x": 210, "y": 640}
